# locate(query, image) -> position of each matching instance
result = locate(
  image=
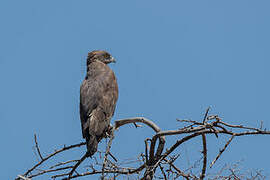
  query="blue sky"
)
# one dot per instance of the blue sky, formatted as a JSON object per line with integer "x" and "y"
{"x": 174, "y": 59}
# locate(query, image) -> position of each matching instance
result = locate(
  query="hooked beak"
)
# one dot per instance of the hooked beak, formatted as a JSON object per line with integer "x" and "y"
{"x": 112, "y": 60}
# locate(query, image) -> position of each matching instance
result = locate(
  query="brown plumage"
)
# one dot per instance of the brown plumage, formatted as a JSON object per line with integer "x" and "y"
{"x": 98, "y": 96}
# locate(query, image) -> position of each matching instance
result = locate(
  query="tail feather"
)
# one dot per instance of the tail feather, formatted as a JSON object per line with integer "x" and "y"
{"x": 92, "y": 144}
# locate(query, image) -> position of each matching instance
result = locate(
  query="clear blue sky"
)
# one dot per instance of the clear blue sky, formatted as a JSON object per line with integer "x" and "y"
{"x": 174, "y": 59}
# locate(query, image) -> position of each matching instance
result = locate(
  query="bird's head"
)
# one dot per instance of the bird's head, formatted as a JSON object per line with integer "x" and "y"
{"x": 101, "y": 56}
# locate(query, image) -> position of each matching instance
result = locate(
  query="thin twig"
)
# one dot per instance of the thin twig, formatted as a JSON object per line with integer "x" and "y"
{"x": 124, "y": 171}
{"x": 240, "y": 126}
{"x": 112, "y": 156}
{"x": 137, "y": 125}
{"x": 53, "y": 154}
{"x": 186, "y": 176}
{"x": 205, "y": 115}
{"x": 50, "y": 170}
{"x": 107, "y": 152}
{"x": 77, "y": 165}
{"x": 38, "y": 150}
{"x": 221, "y": 151}
{"x": 189, "y": 121}
{"x": 22, "y": 177}
{"x": 63, "y": 163}
{"x": 162, "y": 171}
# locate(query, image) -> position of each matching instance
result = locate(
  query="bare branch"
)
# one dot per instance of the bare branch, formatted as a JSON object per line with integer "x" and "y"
{"x": 146, "y": 150}
{"x": 77, "y": 164}
{"x": 181, "y": 173}
{"x": 53, "y": 154}
{"x": 146, "y": 121}
{"x": 204, "y": 156}
{"x": 137, "y": 125}
{"x": 164, "y": 175}
{"x": 50, "y": 170}
{"x": 190, "y": 121}
{"x": 95, "y": 172}
{"x": 206, "y": 114}
{"x": 22, "y": 177}
{"x": 125, "y": 171}
{"x": 107, "y": 152}
{"x": 37, "y": 147}
{"x": 112, "y": 156}
{"x": 154, "y": 159}
{"x": 221, "y": 151}
{"x": 63, "y": 163}
{"x": 240, "y": 126}
{"x": 153, "y": 126}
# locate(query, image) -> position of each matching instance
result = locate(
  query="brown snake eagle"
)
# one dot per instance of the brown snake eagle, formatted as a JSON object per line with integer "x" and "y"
{"x": 98, "y": 96}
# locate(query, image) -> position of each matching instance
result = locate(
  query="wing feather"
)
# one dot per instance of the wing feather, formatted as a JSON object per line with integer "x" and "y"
{"x": 98, "y": 96}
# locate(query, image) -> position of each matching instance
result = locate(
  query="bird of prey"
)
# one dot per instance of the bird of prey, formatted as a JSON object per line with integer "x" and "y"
{"x": 98, "y": 96}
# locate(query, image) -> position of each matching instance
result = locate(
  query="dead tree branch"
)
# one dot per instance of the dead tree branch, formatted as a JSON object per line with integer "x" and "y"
{"x": 77, "y": 165}
{"x": 65, "y": 148}
{"x": 36, "y": 143}
{"x": 153, "y": 158}
{"x": 204, "y": 156}
{"x": 221, "y": 151}
{"x": 107, "y": 152}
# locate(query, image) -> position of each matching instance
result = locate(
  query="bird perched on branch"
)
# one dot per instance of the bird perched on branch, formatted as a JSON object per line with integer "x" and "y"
{"x": 98, "y": 96}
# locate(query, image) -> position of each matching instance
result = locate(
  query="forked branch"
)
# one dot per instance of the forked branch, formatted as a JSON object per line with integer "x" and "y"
{"x": 154, "y": 161}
